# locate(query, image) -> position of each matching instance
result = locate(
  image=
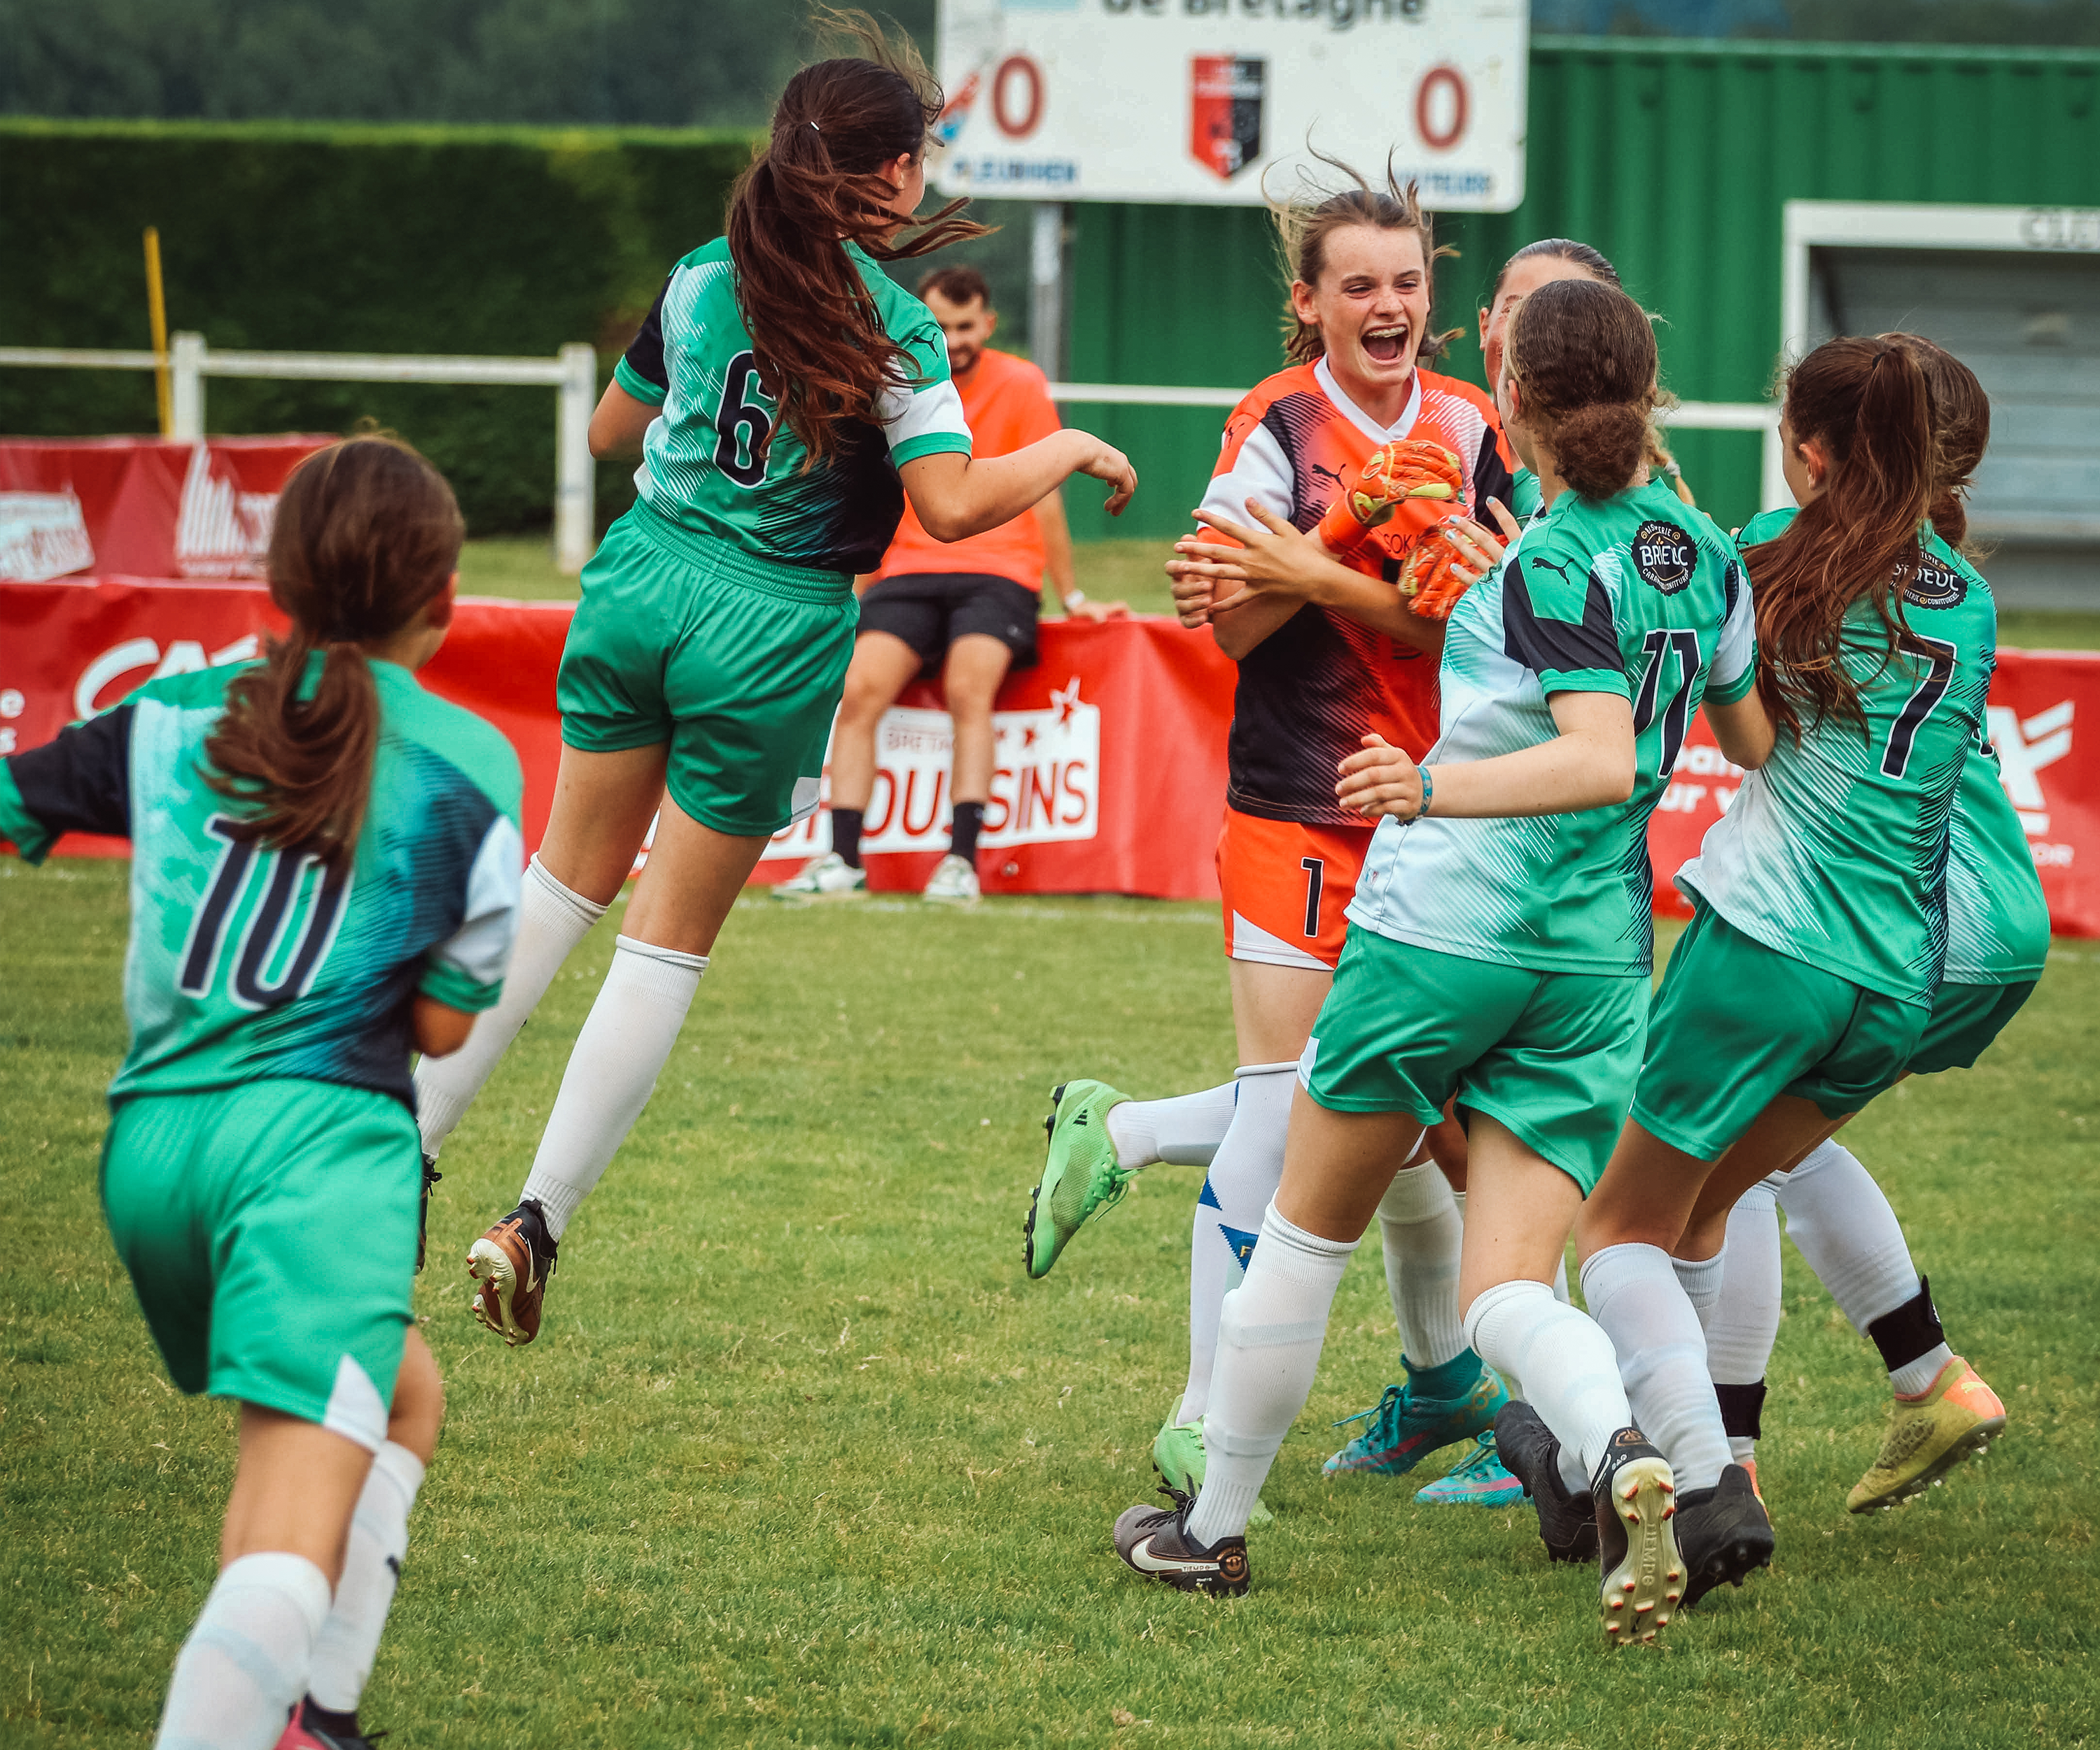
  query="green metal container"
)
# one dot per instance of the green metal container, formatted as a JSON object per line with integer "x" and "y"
{"x": 1673, "y": 158}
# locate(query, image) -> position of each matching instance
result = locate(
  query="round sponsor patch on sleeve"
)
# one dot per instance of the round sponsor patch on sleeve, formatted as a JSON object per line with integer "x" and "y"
{"x": 1664, "y": 555}
{"x": 1931, "y": 584}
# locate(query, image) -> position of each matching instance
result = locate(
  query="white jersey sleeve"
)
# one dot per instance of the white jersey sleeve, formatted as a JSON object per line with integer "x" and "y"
{"x": 1261, "y": 472}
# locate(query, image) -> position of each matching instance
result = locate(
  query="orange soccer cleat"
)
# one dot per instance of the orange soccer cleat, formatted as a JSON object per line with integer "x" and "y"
{"x": 1408, "y": 475}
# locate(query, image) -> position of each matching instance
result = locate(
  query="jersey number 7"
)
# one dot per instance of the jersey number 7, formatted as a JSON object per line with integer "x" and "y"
{"x": 1903, "y": 732}
{"x": 282, "y": 871}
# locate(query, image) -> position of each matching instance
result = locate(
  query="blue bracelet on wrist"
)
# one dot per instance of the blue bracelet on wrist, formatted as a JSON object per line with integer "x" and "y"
{"x": 1428, "y": 790}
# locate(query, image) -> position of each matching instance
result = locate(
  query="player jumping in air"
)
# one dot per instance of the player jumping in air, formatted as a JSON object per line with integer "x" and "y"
{"x": 324, "y": 876}
{"x": 1318, "y": 666}
{"x": 1498, "y": 952}
{"x": 1997, "y": 939}
{"x": 786, "y": 395}
{"x": 1803, "y": 985}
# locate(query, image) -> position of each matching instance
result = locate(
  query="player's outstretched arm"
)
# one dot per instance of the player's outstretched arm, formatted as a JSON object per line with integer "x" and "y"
{"x": 1274, "y": 563}
{"x": 957, "y": 496}
{"x": 618, "y": 422}
{"x": 439, "y": 1029}
{"x": 1590, "y": 763}
{"x": 1745, "y": 729}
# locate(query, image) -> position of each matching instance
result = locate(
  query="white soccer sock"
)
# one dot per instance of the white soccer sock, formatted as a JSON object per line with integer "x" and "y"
{"x": 1269, "y": 1334}
{"x": 1700, "y": 1280}
{"x": 1521, "y": 1330}
{"x": 1422, "y": 1232}
{"x": 1837, "y": 1217}
{"x": 244, "y": 1667}
{"x": 551, "y": 921}
{"x": 611, "y": 1073}
{"x": 349, "y": 1640}
{"x": 1744, "y": 1323}
{"x": 1243, "y": 1177}
{"x": 1634, "y": 1294}
{"x": 1183, "y": 1131}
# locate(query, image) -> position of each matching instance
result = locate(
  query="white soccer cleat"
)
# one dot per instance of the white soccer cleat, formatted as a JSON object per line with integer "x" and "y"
{"x": 830, "y": 877}
{"x": 955, "y": 883}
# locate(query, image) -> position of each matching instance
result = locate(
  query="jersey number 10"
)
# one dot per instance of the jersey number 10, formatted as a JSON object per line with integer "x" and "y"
{"x": 282, "y": 873}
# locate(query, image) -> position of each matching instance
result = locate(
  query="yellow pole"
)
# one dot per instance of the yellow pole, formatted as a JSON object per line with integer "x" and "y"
{"x": 157, "y": 312}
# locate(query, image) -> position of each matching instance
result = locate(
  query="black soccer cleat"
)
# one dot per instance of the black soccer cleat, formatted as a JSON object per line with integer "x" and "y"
{"x": 1641, "y": 1578}
{"x": 1155, "y": 1542}
{"x": 431, "y": 1175}
{"x": 1567, "y": 1522}
{"x": 1724, "y": 1532}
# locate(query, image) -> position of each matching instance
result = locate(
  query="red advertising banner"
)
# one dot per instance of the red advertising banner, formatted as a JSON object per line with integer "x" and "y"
{"x": 145, "y": 506}
{"x": 1111, "y": 770}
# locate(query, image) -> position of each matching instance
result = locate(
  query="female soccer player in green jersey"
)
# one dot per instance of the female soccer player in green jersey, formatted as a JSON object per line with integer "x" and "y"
{"x": 1997, "y": 939}
{"x": 1805, "y": 979}
{"x": 785, "y": 395}
{"x": 325, "y": 875}
{"x": 1498, "y": 950}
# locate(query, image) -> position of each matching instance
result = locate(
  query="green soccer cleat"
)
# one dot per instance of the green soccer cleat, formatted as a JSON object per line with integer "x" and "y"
{"x": 1177, "y": 1454}
{"x": 1404, "y": 1429}
{"x": 1080, "y": 1178}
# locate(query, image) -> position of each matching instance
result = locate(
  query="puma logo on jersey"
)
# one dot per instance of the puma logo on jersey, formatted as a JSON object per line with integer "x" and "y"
{"x": 1560, "y": 570}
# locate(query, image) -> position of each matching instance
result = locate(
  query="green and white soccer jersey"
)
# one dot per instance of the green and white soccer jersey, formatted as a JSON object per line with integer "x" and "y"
{"x": 708, "y": 464}
{"x": 1637, "y": 595}
{"x": 1836, "y": 850}
{"x": 247, "y": 963}
{"x": 1997, "y": 920}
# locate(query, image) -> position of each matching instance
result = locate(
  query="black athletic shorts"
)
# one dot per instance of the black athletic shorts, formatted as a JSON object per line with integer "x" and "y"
{"x": 930, "y": 609}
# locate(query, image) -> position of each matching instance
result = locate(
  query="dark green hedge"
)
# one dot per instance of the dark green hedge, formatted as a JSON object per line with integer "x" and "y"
{"x": 348, "y": 239}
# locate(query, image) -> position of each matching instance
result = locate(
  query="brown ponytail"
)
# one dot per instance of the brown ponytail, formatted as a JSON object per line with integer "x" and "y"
{"x": 1961, "y": 432}
{"x": 1583, "y": 355}
{"x": 821, "y": 351}
{"x": 1867, "y": 403}
{"x": 367, "y": 532}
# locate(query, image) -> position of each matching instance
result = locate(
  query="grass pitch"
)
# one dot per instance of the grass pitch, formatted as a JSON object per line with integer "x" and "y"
{"x": 802, "y": 1458}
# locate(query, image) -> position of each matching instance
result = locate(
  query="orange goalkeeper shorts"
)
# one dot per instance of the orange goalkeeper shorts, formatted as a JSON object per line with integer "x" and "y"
{"x": 1285, "y": 885}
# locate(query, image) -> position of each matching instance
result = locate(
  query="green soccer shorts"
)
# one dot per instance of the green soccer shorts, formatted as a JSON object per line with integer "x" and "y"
{"x": 270, "y": 1231}
{"x": 1553, "y": 1056}
{"x": 1737, "y": 1024}
{"x": 737, "y": 663}
{"x": 1965, "y": 1019}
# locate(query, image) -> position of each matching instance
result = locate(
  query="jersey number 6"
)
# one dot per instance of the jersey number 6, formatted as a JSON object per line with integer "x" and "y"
{"x": 745, "y": 424}
{"x": 268, "y": 928}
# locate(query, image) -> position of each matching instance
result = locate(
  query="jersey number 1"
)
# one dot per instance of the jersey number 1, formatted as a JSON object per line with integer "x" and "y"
{"x": 250, "y": 987}
{"x": 745, "y": 424}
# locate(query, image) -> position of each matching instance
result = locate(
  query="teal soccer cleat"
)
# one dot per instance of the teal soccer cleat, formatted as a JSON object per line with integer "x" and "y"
{"x": 1404, "y": 1429}
{"x": 1479, "y": 1479}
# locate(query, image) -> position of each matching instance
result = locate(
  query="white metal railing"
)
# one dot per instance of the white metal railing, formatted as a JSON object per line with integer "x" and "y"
{"x": 572, "y": 373}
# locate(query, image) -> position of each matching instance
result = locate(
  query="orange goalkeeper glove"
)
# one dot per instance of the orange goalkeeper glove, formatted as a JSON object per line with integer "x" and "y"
{"x": 1438, "y": 568}
{"x": 1408, "y": 478}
